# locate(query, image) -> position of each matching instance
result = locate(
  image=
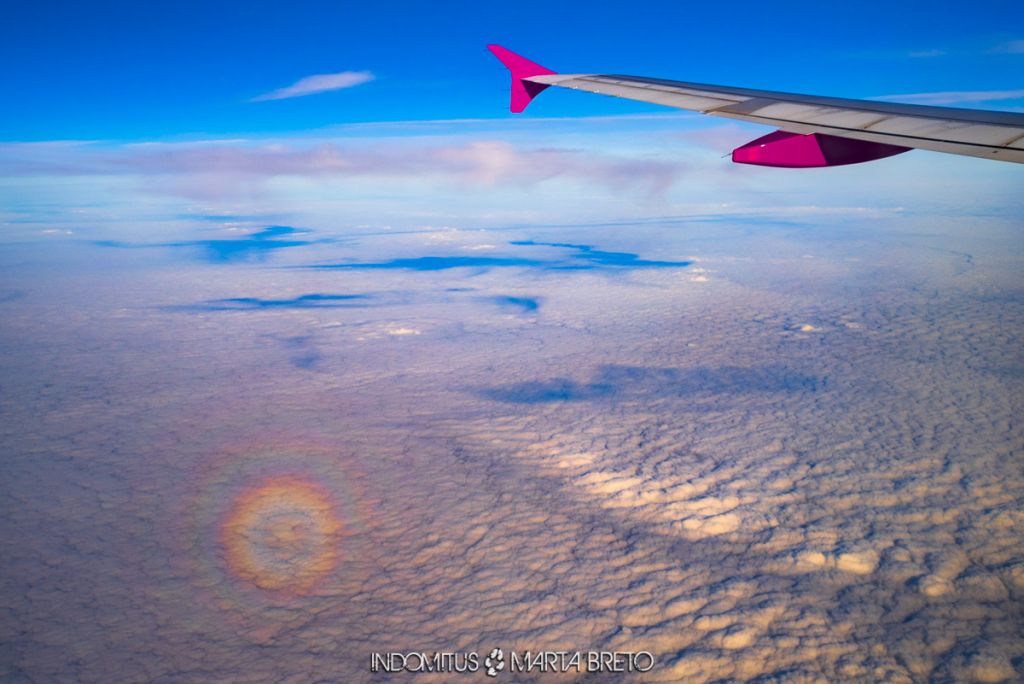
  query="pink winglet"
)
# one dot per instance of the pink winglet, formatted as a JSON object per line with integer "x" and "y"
{"x": 522, "y": 91}
{"x": 794, "y": 150}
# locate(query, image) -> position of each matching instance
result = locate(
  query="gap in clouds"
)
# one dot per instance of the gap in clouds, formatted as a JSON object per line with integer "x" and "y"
{"x": 620, "y": 381}
{"x": 252, "y": 247}
{"x": 522, "y": 305}
{"x": 585, "y": 258}
{"x": 316, "y": 300}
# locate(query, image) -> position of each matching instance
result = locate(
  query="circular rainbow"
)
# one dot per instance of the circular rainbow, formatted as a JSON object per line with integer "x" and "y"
{"x": 283, "y": 534}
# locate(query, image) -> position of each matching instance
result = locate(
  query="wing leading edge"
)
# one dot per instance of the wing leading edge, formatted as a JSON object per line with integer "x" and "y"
{"x": 813, "y": 131}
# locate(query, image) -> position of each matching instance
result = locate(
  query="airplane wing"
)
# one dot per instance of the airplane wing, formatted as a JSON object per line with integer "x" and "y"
{"x": 813, "y": 131}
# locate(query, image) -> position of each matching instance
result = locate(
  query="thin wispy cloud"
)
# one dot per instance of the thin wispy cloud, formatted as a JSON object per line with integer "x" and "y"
{"x": 1010, "y": 47}
{"x": 956, "y": 96}
{"x": 924, "y": 54}
{"x": 318, "y": 83}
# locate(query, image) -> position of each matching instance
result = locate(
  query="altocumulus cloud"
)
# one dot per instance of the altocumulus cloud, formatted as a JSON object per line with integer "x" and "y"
{"x": 318, "y": 83}
{"x": 752, "y": 483}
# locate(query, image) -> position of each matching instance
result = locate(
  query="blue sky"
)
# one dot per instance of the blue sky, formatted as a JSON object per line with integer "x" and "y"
{"x": 121, "y": 121}
{"x": 136, "y": 71}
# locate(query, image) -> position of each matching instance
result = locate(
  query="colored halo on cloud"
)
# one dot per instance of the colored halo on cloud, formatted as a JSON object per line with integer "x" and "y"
{"x": 283, "y": 534}
{"x": 275, "y": 521}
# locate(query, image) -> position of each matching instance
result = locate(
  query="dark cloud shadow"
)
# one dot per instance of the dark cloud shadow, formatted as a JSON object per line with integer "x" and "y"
{"x": 230, "y": 218}
{"x": 251, "y": 247}
{"x": 302, "y": 353}
{"x": 517, "y": 304}
{"x": 307, "y": 360}
{"x": 436, "y": 263}
{"x": 595, "y": 258}
{"x": 625, "y": 381}
{"x": 584, "y": 258}
{"x": 315, "y": 300}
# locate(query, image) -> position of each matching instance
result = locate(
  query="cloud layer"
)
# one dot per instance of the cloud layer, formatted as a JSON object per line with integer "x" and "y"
{"x": 803, "y": 466}
{"x": 234, "y": 167}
